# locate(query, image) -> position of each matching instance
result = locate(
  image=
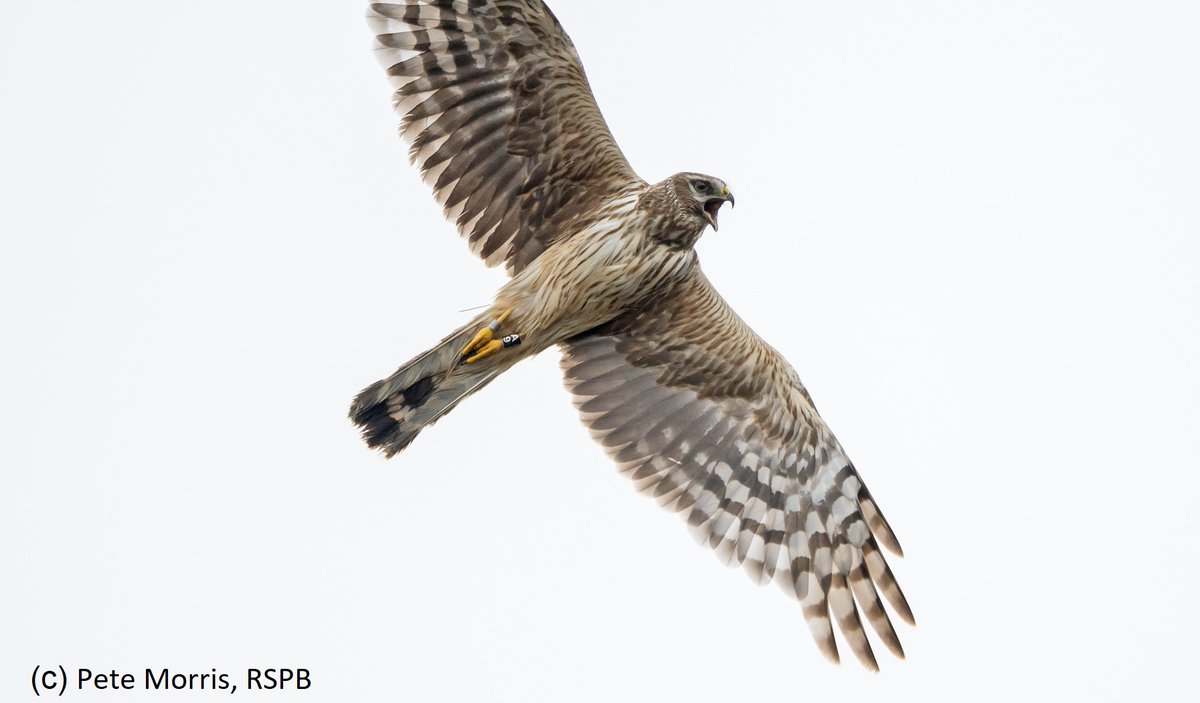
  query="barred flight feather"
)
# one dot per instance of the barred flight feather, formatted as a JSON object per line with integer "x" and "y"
{"x": 500, "y": 119}
{"x": 779, "y": 498}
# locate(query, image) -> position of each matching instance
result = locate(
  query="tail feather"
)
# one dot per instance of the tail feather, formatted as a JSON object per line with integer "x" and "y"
{"x": 392, "y": 412}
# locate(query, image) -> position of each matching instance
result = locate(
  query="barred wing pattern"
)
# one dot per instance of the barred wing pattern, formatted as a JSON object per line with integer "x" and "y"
{"x": 500, "y": 119}
{"x": 710, "y": 420}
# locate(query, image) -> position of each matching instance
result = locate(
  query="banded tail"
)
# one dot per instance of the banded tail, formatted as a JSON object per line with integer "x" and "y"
{"x": 392, "y": 412}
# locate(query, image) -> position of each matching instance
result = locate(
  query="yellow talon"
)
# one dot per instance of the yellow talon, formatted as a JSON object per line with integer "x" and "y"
{"x": 484, "y": 343}
{"x": 481, "y": 338}
{"x": 488, "y": 349}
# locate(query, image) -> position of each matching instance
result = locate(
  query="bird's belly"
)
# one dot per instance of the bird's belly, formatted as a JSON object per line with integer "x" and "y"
{"x": 586, "y": 286}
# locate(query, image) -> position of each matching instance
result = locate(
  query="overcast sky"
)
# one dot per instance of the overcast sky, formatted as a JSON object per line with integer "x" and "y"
{"x": 972, "y": 227}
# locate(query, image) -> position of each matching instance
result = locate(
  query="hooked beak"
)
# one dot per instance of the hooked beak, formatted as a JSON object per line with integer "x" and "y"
{"x": 712, "y": 205}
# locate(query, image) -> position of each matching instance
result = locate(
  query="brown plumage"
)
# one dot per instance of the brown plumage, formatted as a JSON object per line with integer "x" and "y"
{"x": 688, "y": 400}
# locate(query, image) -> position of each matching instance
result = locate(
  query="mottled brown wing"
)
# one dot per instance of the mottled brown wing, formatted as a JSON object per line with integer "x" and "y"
{"x": 500, "y": 119}
{"x": 710, "y": 420}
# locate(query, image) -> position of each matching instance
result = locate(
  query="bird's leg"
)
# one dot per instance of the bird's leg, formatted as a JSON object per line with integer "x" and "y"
{"x": 485, "y": 344}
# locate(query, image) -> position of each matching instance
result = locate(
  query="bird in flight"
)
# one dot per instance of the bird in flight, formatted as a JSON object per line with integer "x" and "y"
{"x": 693, "y": 406}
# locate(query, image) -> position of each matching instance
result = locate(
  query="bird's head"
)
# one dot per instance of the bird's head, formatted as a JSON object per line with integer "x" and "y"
{"x": 701, "y": 196}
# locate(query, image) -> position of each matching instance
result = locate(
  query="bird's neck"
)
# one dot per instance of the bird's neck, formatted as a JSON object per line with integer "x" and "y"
{"x": 666, "y": 222}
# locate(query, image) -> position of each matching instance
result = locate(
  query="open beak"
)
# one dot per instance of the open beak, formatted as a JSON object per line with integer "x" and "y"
{"x": 712, "y": 205}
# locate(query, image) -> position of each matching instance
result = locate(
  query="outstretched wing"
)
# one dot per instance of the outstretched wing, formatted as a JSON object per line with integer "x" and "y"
{"x": 500, "y": 119}
{"x": 714, "y": 423}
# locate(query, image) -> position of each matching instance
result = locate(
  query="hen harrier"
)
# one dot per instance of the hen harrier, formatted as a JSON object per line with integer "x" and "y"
{"x": 692, "y": 405}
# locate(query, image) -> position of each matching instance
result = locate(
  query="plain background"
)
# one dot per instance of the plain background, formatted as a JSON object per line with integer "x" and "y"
{"x": 972, "y": 227}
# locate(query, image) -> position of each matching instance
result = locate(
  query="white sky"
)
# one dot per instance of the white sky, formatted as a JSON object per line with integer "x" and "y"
{"x": 972, "y": 227}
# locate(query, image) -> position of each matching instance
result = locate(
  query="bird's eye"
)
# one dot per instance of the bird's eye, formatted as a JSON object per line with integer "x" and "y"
{"x": 700, "y": 186}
